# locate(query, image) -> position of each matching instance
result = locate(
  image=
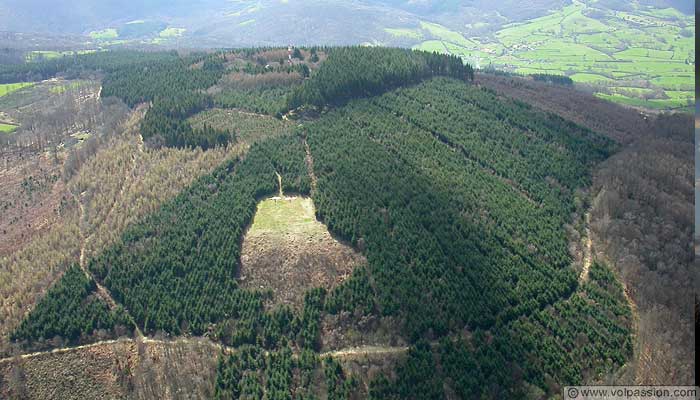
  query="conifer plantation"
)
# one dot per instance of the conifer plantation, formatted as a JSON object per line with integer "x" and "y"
{"x": 464, "y": 202}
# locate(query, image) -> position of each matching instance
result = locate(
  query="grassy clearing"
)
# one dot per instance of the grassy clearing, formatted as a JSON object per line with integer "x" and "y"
{"x": 405, "y": 33}
{"x": 40, "y": 55}
{"x": 590, "y": 78}
{"x": 432, "y": 46}
{"x": 5, "y": 128}
{"x": 247, "y": 127}
{"x": 679, "y": 103}
{"x": 286, "y": 216}
{"x": 13, "y": 87}
{"x": 64, "y": 88}
{"x": 172, "y": 32}
{"x": 105, "y": 34}
{"x": 446, "y": 34}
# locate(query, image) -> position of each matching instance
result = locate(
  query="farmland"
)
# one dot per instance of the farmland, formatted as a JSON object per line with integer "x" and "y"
{"x": 13, "y": 87}
{"x": 648, "y": 52}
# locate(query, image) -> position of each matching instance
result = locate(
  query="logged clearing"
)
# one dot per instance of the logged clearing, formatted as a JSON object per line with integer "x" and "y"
{"x": 121, "y": 369}
{"x": 288, "y": 251}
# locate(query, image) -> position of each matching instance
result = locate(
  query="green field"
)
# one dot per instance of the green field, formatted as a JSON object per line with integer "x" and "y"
{"x": 647, "y": 47}
{"x": 5, "y": 128}
{"x": 405, "y": 33}
{"x": 6, "y": 89}
{"x": 105, "y": 34}
{"x": 40, "y": 55}
{"x": 286, "y": 216}
{"x": 172, "y": 32}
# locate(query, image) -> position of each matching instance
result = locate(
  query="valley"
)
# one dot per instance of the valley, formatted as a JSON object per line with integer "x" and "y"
{"x": 638, "y": 56}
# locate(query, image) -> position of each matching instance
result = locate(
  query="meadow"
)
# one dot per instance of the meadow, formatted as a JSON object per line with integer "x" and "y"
{"x": 41, "y": 55}
{"x": 5, "y": 128}
{"x": 13, "y": 87}
{"x": 105, "y": 34}
{"x": 649, "y": 51}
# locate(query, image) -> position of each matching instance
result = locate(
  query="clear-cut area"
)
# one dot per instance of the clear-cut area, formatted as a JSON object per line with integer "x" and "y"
{"x": 288, "y": 251}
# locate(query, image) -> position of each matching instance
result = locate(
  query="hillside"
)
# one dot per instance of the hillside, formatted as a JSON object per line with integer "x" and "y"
{"x": 372, "y": 214}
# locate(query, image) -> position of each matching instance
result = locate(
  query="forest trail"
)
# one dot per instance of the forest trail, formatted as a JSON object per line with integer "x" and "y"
{"x": 81, "y": 259}
{"x": 364, "y": 351}
{"x": 217, "y": 346}
{"x": 102, "y": 291}
{"x": 248, "y": 113}
{"x": 587, "y": 251}
{"x": 587, "y": 260}
{"x": 59, "y": 351}
{"x": 310, "y": 166}
{"x": 351, "y": 352}
{"x": 279, "y": 182}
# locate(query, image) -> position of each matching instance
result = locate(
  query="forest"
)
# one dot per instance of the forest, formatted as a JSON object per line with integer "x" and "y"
{"x": 556, "y": 79}
{"x": 457, "y": 197}
{"x": 445, "y": 225}
{"x": 652, "y": 246}
{"x": 176, "y": 85}
{"x": 352, "y": 72}
{"x": 175, "y": 90}
{"x": 70, "y": 312}
{"x": 584, "y": 336}
{"x": 77, "y": 64}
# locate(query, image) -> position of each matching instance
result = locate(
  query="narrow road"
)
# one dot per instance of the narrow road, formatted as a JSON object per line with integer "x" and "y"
{"x": 279, "y": 182}
{"x": 587, "y": 251}
{"x": 310, "y": 166}
{"x": 363, "y": 351}
{"x": 200, "y": 341}
{"x": 338, "y": 354}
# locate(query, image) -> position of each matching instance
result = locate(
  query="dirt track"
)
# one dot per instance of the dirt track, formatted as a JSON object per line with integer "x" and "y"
{"x": 342, "y": 353}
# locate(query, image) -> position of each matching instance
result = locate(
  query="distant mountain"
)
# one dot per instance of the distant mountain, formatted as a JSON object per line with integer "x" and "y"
{"x": 68, "y": 16}
{"x": 227, "y": 23}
